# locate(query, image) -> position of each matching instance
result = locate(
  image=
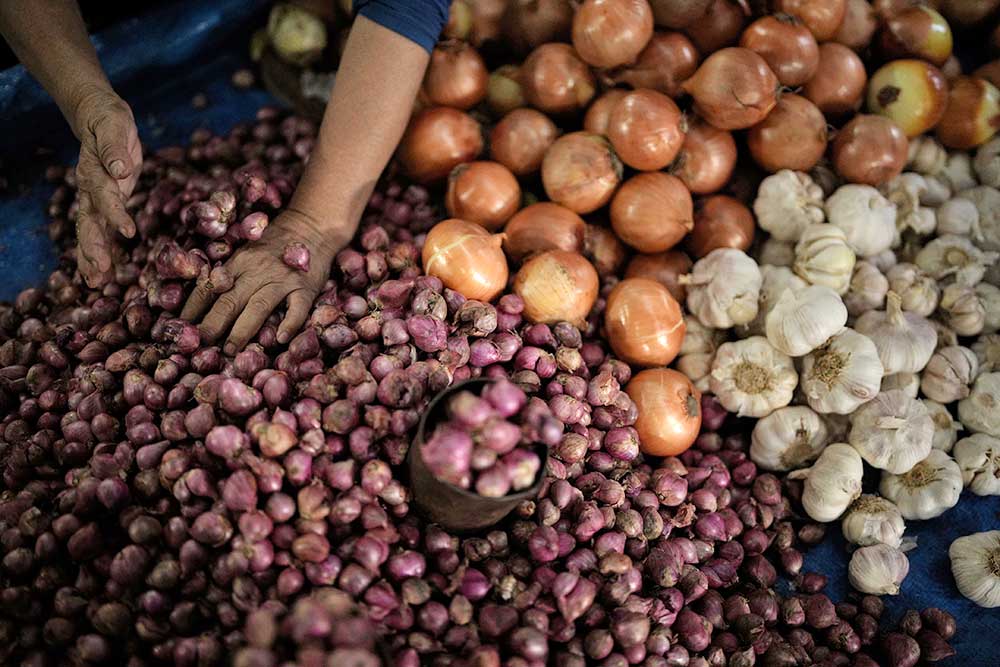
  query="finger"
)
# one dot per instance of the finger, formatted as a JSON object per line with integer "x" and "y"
{"x": 226, "y": 309}
{"x": 299, "y": 303}
{"x": 93, "y": 244}
{"x": 260, "y": 305}
{"x": 111, "y": 134}
{"x": 110, "y": 204}
{"x": 196, "y": 304}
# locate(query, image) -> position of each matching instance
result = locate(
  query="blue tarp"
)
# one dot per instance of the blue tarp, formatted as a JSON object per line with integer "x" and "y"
{"x": 160, "y": 61}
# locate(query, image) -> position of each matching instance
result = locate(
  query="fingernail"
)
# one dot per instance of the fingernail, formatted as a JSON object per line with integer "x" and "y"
{"x": 283, "y": 337}
{"x": 117, "y": 168}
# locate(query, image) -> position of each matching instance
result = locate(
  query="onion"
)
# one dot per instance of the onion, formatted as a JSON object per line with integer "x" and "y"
{"x": 597, "y": 116}
{"x": 706, "y": 159}
{"x": 521, "y": 138}
{"x": 917, "y": 32}
{"x": 503, "y": 92}
{"x": 543, "y": 226}
{"x": 611, "y": 33}
{"x": 645, "y": 130}
{"x": 652, "y": 212}
{"x": 663, "y": 267}
{"x": 860, "y": 22}
{"x": 733, "y": 89}
{"x": 643, "y": 322}
{"x": 669, "y": 411}
{"x": 822, "y": 17}
{"x": 604, "y": 250}
{"x": 964, "y": 12}
{"x": 972, "y": 115}
{"x": 793, "y": 136}
{"x": 483, "y": 192}
{"x": 530, "y": 23}
{"x": 720, "y": 26}
{"x": 486, "y": 17}
{"x": 787, "y": 46}
{"x": 581, "y": 171}
{"x": 869, "y": 150}
{"x": 720, "y": 221}
{"x": 467, "y": 259}
{"x": 678, "y": 13}
{"x": 456, "y": 76}
{"x": 436, "y": 141}
{"x": 990, "y": 72}
{"x": 557, "y": 286}
{"x": 459, "y": 20}
{"x": 839, "y": 82}
{"x": 668, "y": 60}
{"x": 912, "y": 93}
{"x": 555, "y": 80}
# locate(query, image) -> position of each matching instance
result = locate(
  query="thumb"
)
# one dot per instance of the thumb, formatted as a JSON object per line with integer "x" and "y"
{"x": 111, "y": 137}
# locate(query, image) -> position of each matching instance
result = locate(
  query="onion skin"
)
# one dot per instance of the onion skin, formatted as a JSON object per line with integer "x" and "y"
{"x": 555, "y": 80}
{"x": 720, "y": 27}
{"x": 859, "y": 25}
{"x": 611, "y": 33}
{"x": 645, "y": 130}
{"x": 668, "y": 60}
{"x": 485, "y": 193}
{"x": 733, "y": 89}
{"x": 540, "y": 227}
{"x": 793, "y": 136}
{"x": 664, "y": 268}
{"x": 557, "y": 286}
{"x": 643, "y": 322}
{"x": 990, "y": 72}
{"x": 669, "y": 409}
{"x": 581, "y": 171}
{"x": 528, "y": 24}
{"x": 869, "y": 150}
{"x": 787, "y": 46}
{"x": 965, "y": 13}
{"x": 467, "y": 259}
{"x": 917, "y": 32}
{"x": 972, "y": 116}
{"x": 822, "y": 17}
{"x": 438, "y": 140}
{"x": 521, "y": 138}
{"x": 912, "y": 93}
{"x": 678, "y": 13}
{"x": 604, "y": 250}
{"x": 706, "y": 159}
{"x": 840, "y": 80}
{"x": 652, "y": 212}
{"x": 720, "y": 221}
{"x": 486, "y": 17}
{"x": 456, "y": 76}
{"x": 597, "y": 116}
{"x": 503, "y": 92}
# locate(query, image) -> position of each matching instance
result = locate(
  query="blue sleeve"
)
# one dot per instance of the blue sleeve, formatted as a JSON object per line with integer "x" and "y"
{"x": 420, "y": 21}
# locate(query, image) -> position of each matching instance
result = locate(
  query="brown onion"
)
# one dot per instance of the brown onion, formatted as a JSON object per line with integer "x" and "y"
{"x": 456, "y": 76}
{"x": 604, "y": 250}
{"x": 886, "y": 8}
{"x": 706, "y": 159}
{"x": 787, "y": 46}
{"x": 966, "y": 12}
{"x": 663, "y": 267}
{"x": 719, "y": 27}
{"x": 990, "y": 72}
{"x": 555, "y": 80}
{"x": 503, "y": 92}
{"x": 678, "y": 13}
{"x": 733, "y": 89}
{"x": 485, "y": 193}
{"x": 822, "y": 17}
{"x": 917, "y": 32}
{"x": 859, "y": 25}
{"x": 486, "y": 16}
{"x": 668, "y": 61}
{"x": 596, "y": 118}
{"x": 611, "y": 33}
{"x": 669, "y": 411}
{"x": 793, "y": 136}
{"x": 870, "y": 150}
{"x": 521, "y": 138}
{"x": 437, "y": 140}
{"x": 839, "y": 82}
{"x": 531, "y": 23}
{"x": 973, "y": 113}
{"x": 912, "y": 93}
{"x": 643, "y": 322}
{"x": 467, "y": 259}
{"x": 459, "y": 21}
{"x": 581, "y": 171}
{"x": 557, "y": 286}
{"x": 645, "y": 130}
{"x": 652, "y": 212}
{"x": 952, "y": 68}
{"x": 540, "y": 227}
{"x": 720, "y": 221}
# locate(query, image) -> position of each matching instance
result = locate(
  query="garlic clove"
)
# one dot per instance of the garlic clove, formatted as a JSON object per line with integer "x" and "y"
{"x": 867, "y": 289}
{"x": 949, "y": 373}
{"x": 987, "y": 349}
{"x": 908, "y": 383}
{"x": 975, "y": 564}
{"x": 946, "y": 428}
{"x": 989, "y": 296}
{"x": 878, "y": 569}
{"x": 927, "y": 490}
{"x": 980, "y": 411}
{"x": 918, "y": 292}
{"x": 978, "y": 457}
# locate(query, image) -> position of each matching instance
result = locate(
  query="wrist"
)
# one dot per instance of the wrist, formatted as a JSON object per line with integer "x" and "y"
{"x": 328, "y": 233}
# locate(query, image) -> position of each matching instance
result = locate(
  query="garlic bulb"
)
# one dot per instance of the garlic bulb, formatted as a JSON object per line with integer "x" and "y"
{"x": 936, "y": 193}
{"x": 776, "y": 281}
{"x": 892, "y": 431}
{"x": 949, "y": 373}
{"x": 867, "y": 219}
{"x": 954, "y": 255}
{"x": 787, "y": 202}
{"x": 867, "y": 289}
{"x": 987, "y": 201}
{"x": 697, "y": 366}
{"x": 722, "y": 288}
{"x": 823, "y": 257}
{"x": 926, "y": 155}
{"x": 908, "y": 383}
{"x": 905, "y": 192}
{"x": 905, "y": 341}
{"x": 701, "y": 339}
{"x": 980, "y": 410}
{"x": 776, "y": 253}
{"x": 958, "y": 216}
{"x": 872, "y": 520}
{"x": 975, "y": 564}
{"x": 803, "y": 320}
{"x": 878, "y": 569}
{"x": 962, "y": 309}
{"x": 927, "y": 490}
{"x": 918, "y": 292}
{"x": 842, "y": 374}
{"x": 788, "y": 438}
{"x": 884, "y": 261}
{"x": 978, "y": 457}
{"x": 987, "y": 349}
{"x": 989, "y": 296}
{"x": 751, "y": 378}
{"x": 946, "y": 336}
{"x": 957, "y": 172}
{"x": 832, "y": 483}
{"x": 945, "y": 427}
{"x": 987, "y": 163}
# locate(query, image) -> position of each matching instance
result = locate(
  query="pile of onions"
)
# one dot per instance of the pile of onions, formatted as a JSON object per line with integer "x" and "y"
{"x": 652, "y": 212}
{"x": 787, "y": 46}
{"x": 483, "y": 192}
{"x": 839, "y": 82}
{"x": 555, "y": 80}
{"x": 521, "y": 139}
{"x": 706, "y": 159}
{"x": 598, "y": 114}
{"x": 720, "y": 26}
{"x": 669, "y": 411}
{"x": 611, "y": 33}
{"x": 643, "y": 322}
{"x": 456, "y": 76}
{"x": 467, "y": 259}
{"x": 793, "y": 136}
{"x": 663, "y": 267}
{"x": 721, "y": 221}
{"x": 822, "y": 17}
{"x": 733, "y": 89}
{"x": 645, "y": 130}
{"x": 917, "y": 32}
{"x": 678, "y": 13}
{"x": 438, "y": 140}
{"x": 530, "y": 23}
{"x": 604, "y": 249}
{"x": 668, "y": 60}
{"x": 870, "y": 150}
{"x": 912, "y": 93}
{"x": 557, "y": 286}
{"x": 972, "y": 116}
{"x": 503, "y": 91}
{"x": 540, "y": 227}
{"x": 581, "y": 171}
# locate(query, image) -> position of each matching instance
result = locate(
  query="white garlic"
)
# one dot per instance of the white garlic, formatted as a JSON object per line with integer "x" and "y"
{"x": 926, "y": 155}
{"x": 958, "y": 216}
{"x": 872, "y": 520}
{"x": 787, "y": 202}
{"x": 775, "y": 281}
{"x": 926, "y": 490}
{"x": 722, "y": 288}
{"x": 788, "y": 438}
{"x": 989, "y": 296}
{"x": 954, "y": 255}
{"x": 892, "y": 431}
{"x": 987, "y": 163}
{"x": 867, "y": 219}
{"x": 905, "y": 341}
{"x": 937, "y": 193}
{"x": 803, "y": 320}
{"x": 987, "y": 349}
{"x": 918, "y": 292}
{"x": 832, "y": 483}
{"x": 884, "y": 261}
{"x": 978, "y": 457}
{"x": 945, "y": 427}
{"x": 701, "y": 339}
{"x": 697, "y": 366}
{"x": 751, "y": 378}
{"x": 949, "y": 373}
{"x": 823, "y": 257}
{"x": 842, "y": 374}
{"x": 957, "y": 172}
{"x": 962, "y": 309}
{"x": 987, "y": 201}
{"x": 905, "y": 192}
{"x": 776, "y": 253}
{"x": 878, "y": 569}
{"x": 867, "y": 289}
{"x": 826, "y": 177}
{"x": 980, "y": 410}
{"x": 908, "y": 383}
{"x": 975, "y": 564}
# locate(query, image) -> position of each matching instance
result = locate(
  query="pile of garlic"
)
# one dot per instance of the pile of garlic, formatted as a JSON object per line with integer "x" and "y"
{"x": 867, "y": 333}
